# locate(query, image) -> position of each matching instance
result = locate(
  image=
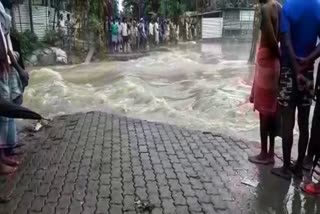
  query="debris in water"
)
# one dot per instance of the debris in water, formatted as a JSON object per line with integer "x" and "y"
{"x": 38, "y": 126}
{"x": 250, "y": 182}
{"x": 144, "y": 206}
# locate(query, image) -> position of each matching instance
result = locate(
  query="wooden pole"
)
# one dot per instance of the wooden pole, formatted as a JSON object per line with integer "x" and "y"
{"x": 31, "y": 16}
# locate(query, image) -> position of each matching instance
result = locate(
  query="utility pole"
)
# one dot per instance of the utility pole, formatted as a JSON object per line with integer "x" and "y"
{"x": 31, "y": 16}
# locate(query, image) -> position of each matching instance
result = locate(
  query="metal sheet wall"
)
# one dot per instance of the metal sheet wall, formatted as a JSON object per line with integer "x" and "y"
{"x": 212, "y": 28}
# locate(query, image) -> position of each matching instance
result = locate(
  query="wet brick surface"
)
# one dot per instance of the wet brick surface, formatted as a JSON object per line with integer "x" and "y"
{"x": 100, "y": 163}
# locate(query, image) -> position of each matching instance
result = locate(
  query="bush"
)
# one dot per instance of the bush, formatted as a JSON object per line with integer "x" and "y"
{"x": 52, "y": 37}
{"x": 29, "y": 42}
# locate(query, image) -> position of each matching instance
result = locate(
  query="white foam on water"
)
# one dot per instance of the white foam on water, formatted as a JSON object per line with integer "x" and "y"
{"x": 175, "y": 87}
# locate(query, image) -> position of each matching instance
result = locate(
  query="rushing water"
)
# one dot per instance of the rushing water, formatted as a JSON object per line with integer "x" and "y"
{"x": 202, "y": 87}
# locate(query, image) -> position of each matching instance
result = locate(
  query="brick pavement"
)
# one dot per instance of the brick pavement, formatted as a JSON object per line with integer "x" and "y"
{"x": 98, "y": 163}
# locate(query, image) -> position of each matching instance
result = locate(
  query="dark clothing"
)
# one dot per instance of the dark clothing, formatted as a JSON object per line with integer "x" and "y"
{"x": 288, "y": 122}
{"x": 288, "y": 89}
{"x": 16, "y": 47}
{"x": 125, "y": 39}
{"x": 315, "y": 130}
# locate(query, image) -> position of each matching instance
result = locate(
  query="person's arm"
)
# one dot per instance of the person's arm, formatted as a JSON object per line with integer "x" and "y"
{"x": 286, "y": 41}
{"x": 313, "y": 56}
{"x": 268, "y": 30}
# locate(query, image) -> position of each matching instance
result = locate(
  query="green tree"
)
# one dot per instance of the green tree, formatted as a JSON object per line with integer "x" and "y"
{"x": 190, "y": 5}
{"x": 115, "y": 8}
{"x": 172, "y": 8}
{"x": 167, "y": 8}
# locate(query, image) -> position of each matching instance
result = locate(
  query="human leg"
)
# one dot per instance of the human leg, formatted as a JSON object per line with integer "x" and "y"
{"x": 303, "y": 122}
{"x": 315, "y": 135}
{"x": 262, "y": 158}
{"x": 288, "y": 121}
{"x": 5, "y": 162}
{"x": 272, "y": 132}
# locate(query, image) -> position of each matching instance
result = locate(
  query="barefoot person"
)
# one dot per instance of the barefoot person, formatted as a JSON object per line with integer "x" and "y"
{"x": 300, "y": 24}
{"x": 264, "y": 90}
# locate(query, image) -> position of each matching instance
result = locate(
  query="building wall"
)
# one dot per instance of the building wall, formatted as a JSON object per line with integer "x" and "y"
{"x": 43, "y": 18}
{"x": 238, "y": 23}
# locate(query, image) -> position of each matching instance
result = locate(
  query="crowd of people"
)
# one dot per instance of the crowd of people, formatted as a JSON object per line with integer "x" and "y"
{"x": 125, "y": 35}
{"x": 284, "y": 84}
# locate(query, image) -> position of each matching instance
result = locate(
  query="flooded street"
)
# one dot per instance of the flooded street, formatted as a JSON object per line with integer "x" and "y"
{"x": 202, "y": 87}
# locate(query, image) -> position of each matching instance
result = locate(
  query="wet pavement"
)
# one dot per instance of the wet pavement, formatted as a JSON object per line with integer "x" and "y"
{"x": 103, "y": 163}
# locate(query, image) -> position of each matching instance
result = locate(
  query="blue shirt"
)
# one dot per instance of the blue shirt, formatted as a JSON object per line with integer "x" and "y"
{"x": 302, "y": 19}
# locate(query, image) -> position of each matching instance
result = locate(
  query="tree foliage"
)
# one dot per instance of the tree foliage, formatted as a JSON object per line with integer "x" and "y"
{"x": 166, "y": 8}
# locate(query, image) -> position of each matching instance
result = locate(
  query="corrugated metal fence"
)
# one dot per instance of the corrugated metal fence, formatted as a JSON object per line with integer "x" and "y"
{"x": 43, "y": 18}
{"x": 212, "y": 28}
{"x": 238, "y": 23}
{"x": 234, "y": 23}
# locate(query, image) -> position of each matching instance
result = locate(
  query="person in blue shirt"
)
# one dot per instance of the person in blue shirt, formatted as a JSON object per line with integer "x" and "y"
{"x": 299, "y": 29}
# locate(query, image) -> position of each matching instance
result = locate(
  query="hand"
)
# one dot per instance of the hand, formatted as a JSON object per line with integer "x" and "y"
{"x": 305, "y": 64}
{"x": 16, "y": 55}
{"x": 24, "y": 76}
{"x": 303, "y": 82}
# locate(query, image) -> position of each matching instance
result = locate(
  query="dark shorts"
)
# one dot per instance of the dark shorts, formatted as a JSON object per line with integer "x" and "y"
{"x": 288, "y": 90}
{"x": 125, "y": 39}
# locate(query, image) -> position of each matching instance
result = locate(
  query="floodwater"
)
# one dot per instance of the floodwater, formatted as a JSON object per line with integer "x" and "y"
{"x": 202, "y": 87}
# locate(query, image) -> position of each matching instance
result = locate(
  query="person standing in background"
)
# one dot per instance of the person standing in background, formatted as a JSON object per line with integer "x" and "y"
{"x": 120, "y": 39}
{"x": 157, "y": 32}
{"x": 142, "y": 34}
{"x": 125, "y": 35}
{"x": 151, "y": 34}
{"x": 108, "y": 33}
{"x": 134, "y": 36}
{"x": 114, "y": 35}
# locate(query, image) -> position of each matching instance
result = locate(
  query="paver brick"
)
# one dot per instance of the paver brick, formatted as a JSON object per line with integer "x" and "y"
{"x": 193, "y": 204}
{"x": 168, "y": 206}
{"x": 179, "y": 199}
{"x": 165, "y": 192}
{"x": 101, "y": 163}
{"x": 102, "y": 207}
{"x": 182, "y": 209}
